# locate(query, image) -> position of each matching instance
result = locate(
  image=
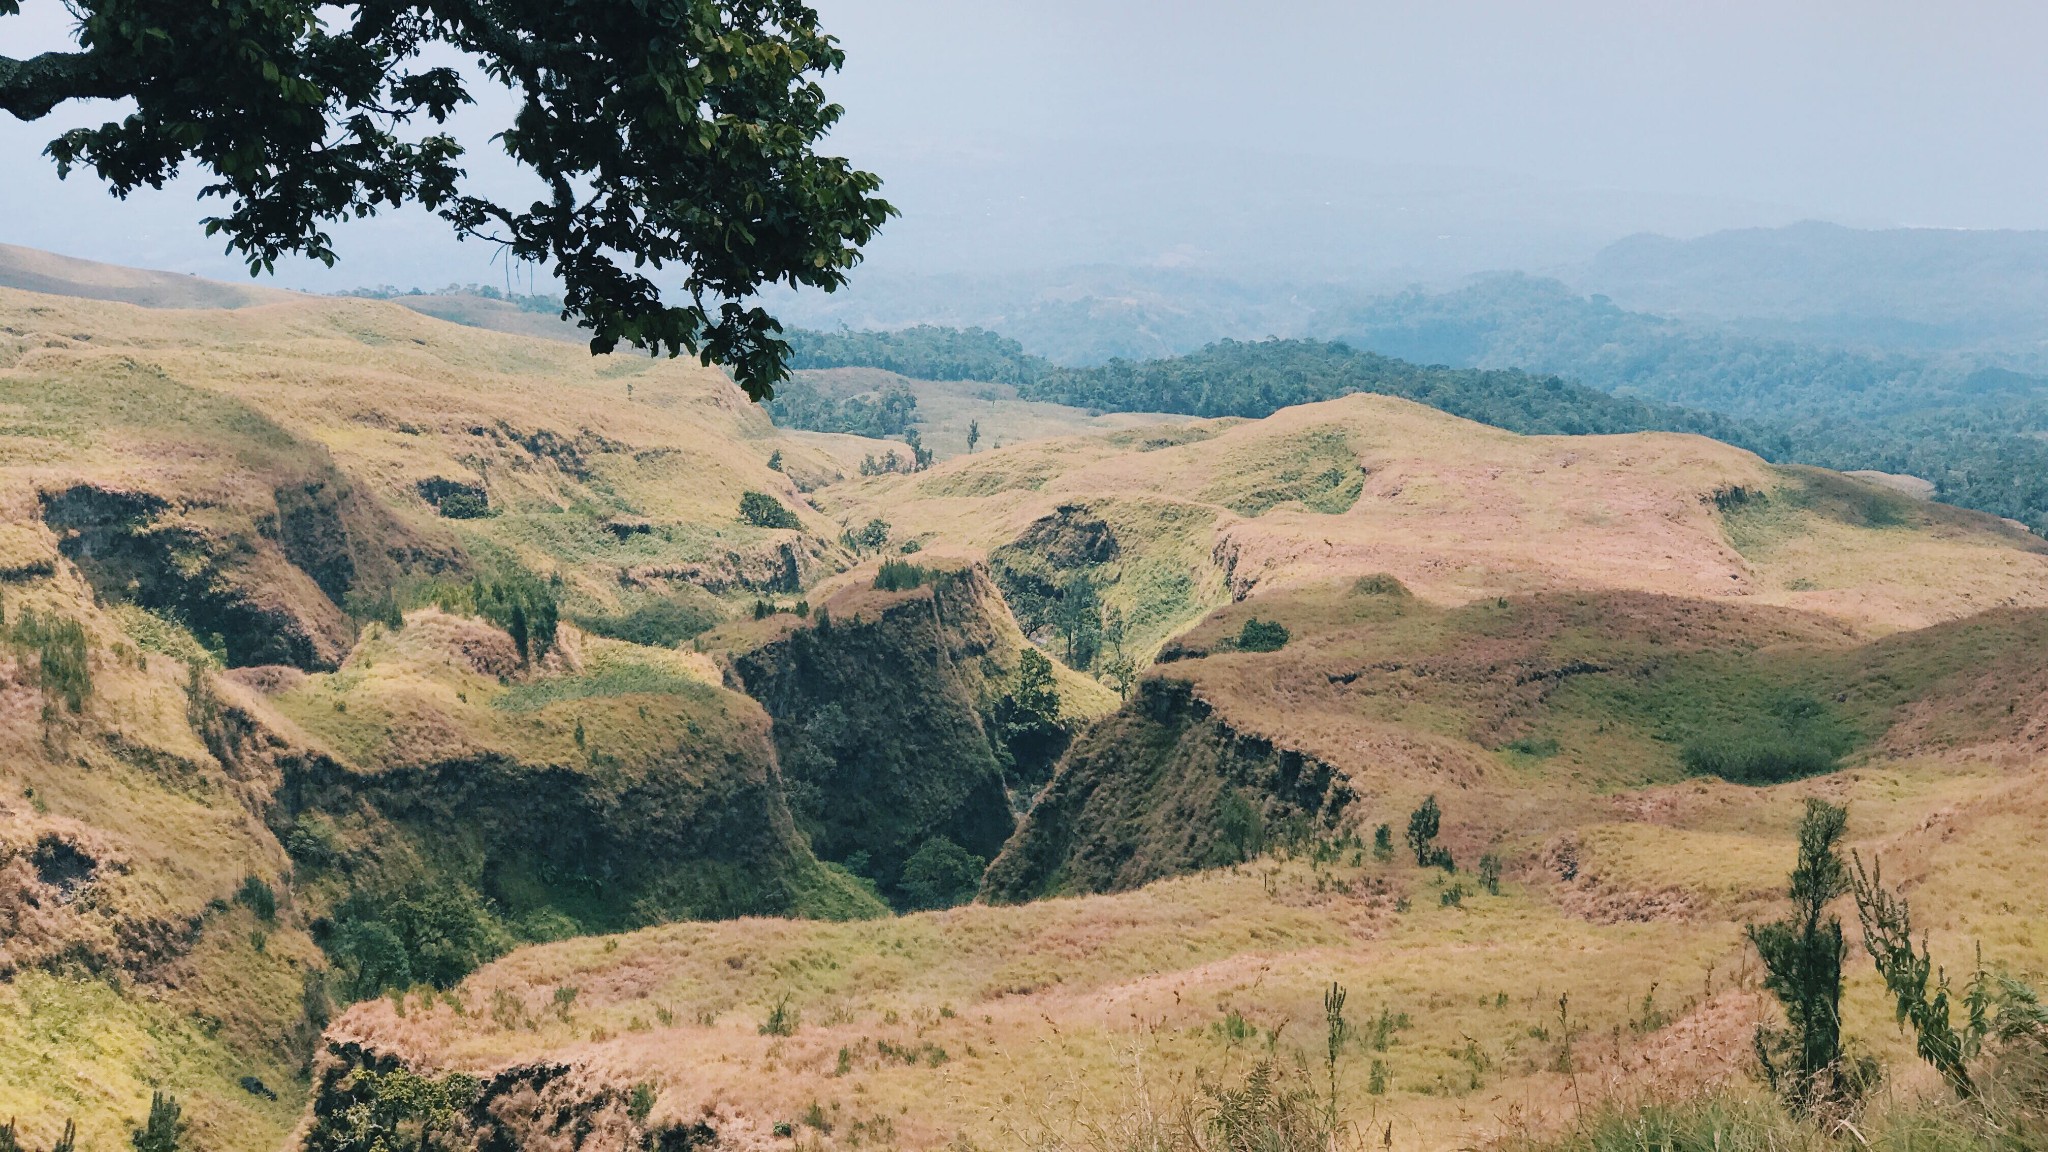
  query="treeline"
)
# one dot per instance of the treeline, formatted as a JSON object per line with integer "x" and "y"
{"x": 1545, "y": 326}
{"x": 541, "y": 303}
{"x": 884, "y": 414}
{"x": 925, "y": 352}
{"x": 1235, "y": 378}
{"x": 1598, "y": 369}
{"x": 1969, "y": 428}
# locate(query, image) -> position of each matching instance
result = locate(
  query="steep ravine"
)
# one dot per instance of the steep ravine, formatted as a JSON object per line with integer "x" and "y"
{"x": 1162, "y": 786}
{"x": 880, "y": 705}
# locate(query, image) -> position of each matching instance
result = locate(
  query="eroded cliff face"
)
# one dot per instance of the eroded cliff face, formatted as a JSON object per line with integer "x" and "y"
{"x": 1161, "y": 787}
{"x": 691, "y": 826}
{"x": 549, "y": 1106}
{"x": 881, "y": 707}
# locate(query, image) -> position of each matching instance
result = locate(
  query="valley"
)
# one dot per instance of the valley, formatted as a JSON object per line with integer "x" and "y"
{"x": 396, "y": 707}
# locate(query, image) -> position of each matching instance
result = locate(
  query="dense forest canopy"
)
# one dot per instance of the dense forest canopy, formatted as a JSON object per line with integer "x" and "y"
{"x": 1234, "y": 378}
{"x": 886, "y": 413}
{"x": 925, "y": 352}
{"x": 1970, "y": 427}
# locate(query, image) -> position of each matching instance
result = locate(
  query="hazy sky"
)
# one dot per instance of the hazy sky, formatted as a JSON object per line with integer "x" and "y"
{"x": 1515, "y": 131}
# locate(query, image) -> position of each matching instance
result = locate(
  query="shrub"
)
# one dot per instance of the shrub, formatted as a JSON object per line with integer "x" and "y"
{"x": 1383, "y": 843}
{"x": 1452, "y": 897}
{"x": 1274, "y": 1109}
{"x": 900, "y": 576}
{"x": 1489, "y": 874}
{"x": 258, "y": 896}
{"x": 940, "y": 874}
{"x": 1379, "y": 584}
{"x": 662, "y": 623}
{"x": 1790, "y": 736}
{"x": 161, "y": 1130}
{"x": 1262, "y": 636}
{"x": 783, "y": 1020}
{"x": 1077, "y": 618}
{"x": 1423, "y": 825}
{"x": 870, "y": 537}
{"x": 395, "y": 1109}
{"x": 1241, "y": 826}
{"x": 1756, "y": 760}
{"x": 455, "y": 499}
{"x": 1121, "y": 673}
{"x": 765, "y": 511}
{"x": 520, "y": 603}
{"x": 1028, "y": 725}
{"x": 418, "y": 933}
{"x": 313, "y": 841}
{"x": 1802, "y": 958}
{"x": 63, "y": 656}
{"x": 1999, "y": 1011}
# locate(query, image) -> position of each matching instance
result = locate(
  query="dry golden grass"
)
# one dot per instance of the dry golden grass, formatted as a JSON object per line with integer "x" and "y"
{"x": 1461, "y": 512}
{"x": 198, "y": 406}
{"x": 565, "y": 443}
{"x": 1051, "y": 1016}
{"x": 1048, "y": 1014}
{"x": 34, "y": 270}
{"x": 172, "y": 835}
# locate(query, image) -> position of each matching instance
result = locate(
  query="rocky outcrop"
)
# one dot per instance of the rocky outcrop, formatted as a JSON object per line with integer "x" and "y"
{"x": 267, "y": 573}
{"x": 1163, "y": 786}
{"x": 546, "y": 1105}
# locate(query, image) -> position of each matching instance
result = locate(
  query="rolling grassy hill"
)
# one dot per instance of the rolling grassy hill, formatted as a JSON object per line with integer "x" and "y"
{"x": 295, "y": 536}
{"x": 1570, "y": 621}
{"x": 431, "y": 705}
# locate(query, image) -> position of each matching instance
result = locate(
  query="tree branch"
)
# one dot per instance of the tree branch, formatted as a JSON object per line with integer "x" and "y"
{"x": 30, "y": 88}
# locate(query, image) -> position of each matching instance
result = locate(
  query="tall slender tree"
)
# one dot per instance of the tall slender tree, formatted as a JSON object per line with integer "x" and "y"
{"x": 1802, "y": 957}
{"x": 161, "y": 1130}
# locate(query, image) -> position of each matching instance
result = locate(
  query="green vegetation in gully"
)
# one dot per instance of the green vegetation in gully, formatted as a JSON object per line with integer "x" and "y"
{"x": 803, "y": 404}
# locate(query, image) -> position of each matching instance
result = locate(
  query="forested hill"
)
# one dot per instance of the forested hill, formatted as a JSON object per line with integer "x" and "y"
{"x": 1964, "y": 431}
{"x": 1544, "y": 326}
{"x": 1972, "y": 428}
{"x": 1234, "y": 378}
{"x": 925, "y": 352}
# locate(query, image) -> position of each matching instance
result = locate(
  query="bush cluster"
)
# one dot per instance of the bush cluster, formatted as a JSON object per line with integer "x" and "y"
{"x": 62, "y": 652}
{"x": 765, "y": 511}
{"x": 901, "y": 576}
{"x": 1262, "y": 636}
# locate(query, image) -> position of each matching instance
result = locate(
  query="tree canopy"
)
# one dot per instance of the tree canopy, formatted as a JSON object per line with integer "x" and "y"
{"x": 675, "y": 134}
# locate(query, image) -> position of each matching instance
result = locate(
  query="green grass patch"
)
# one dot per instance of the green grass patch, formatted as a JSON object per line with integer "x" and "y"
{"x": 1316, "y": 469}
{"x": 616, "y": 679}
{"x": 656, "y": 622}
{"x": 1754, "y": 521}
{"x": 161, "y": 633}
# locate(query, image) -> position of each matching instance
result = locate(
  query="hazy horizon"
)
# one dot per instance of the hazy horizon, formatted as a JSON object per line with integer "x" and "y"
{"x": 1313, "y": 141}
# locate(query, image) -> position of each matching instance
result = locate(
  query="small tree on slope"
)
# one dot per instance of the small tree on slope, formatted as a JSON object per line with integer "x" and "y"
{"x": 1802, "y": 957}
{"x": 160, "y": 1132}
